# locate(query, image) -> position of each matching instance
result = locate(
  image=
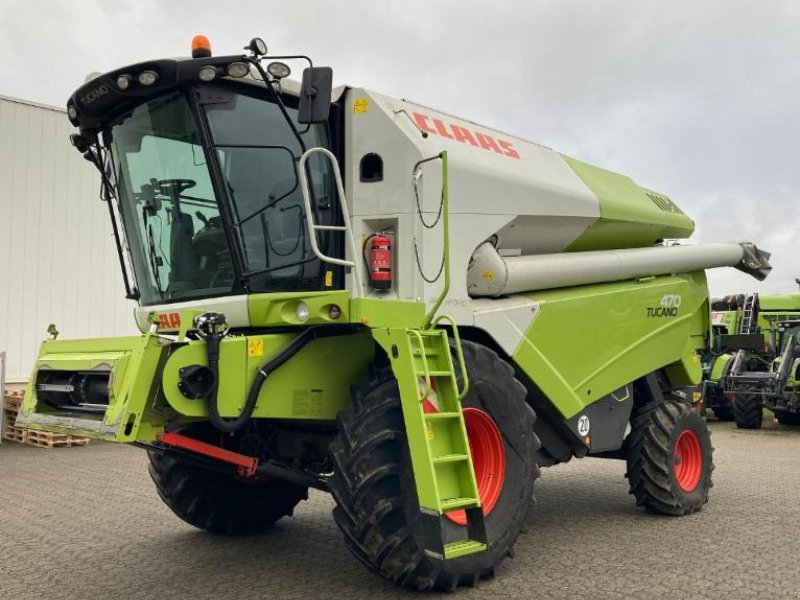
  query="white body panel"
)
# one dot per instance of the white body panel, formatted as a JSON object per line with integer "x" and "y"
{"x": 558, "y": 206}
{"x": 507, "y": 319}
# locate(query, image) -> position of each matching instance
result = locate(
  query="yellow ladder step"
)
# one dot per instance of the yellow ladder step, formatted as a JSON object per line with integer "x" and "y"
{"x": 462, "y": 548}
{"x": 442, "y": 415}
{"x": 449, "y": 458}
{"x": 428, "y": 351}
{"x": 457, "y": 504}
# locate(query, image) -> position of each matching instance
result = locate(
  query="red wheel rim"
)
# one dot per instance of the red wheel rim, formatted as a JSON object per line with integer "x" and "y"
{"x": 688, "y": 460}
{"x": 488, "y": 458}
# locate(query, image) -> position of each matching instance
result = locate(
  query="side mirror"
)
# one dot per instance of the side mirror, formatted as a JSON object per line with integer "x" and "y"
{"x": 315, "y": 95}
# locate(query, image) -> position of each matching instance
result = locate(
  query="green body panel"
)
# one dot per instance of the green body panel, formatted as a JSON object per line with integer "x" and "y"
{"x": 280, "y": 310}
{"x": 623, "y": 202}
{"x": 776, "y": 307}
{"x": 377, "y": 313}
{"x": 718, "y": 366}
{"x": 132, "y": 363}
{"x": 730, "y": 320}
{"x": 314, "y": 384}
{"x": 275, "y": 309}
{"x": 779, "y": 302}
{"x": 689, "y": 371}
{"x": 588, "y": 341}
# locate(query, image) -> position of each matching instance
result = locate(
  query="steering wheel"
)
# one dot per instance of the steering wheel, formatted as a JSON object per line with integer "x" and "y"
{"x": 176, "y": 186}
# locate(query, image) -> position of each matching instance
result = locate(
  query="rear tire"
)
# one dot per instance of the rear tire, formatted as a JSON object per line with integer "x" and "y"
{"x": 669, "y": 456}
{"x": 747, "y": 411}
{"x": 220, "y": 503}
{"x": 723, "y": 413}
{"x": 723, "y": 408}
{"x": 787, "y": 418}
{"x": 373, "y": 484}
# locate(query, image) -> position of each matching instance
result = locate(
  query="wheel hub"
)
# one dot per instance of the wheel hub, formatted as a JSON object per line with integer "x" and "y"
{"x": 488, "y": 459}
{"x": 688, "y": 464}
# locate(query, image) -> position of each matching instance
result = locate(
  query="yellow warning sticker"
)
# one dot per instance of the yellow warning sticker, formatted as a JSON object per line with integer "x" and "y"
{"x": 488, "y": 275}
{"x": 328, "y": 278}
{"x": 360, "y": 106}
{"x": 255, "y": 348}
{"x": 429, "y": 430}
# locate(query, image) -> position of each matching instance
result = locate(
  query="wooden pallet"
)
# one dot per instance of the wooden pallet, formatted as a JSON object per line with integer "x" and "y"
{"x": 48, "y": 439}
{"x": 11, "y": 408}
{"x": 34, "y": 437}
{"x": 13, "y": 401}
{"x": 15, "y": 434}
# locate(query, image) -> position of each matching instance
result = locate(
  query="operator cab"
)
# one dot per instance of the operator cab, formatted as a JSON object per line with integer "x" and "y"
{"x": 199, "y": 163}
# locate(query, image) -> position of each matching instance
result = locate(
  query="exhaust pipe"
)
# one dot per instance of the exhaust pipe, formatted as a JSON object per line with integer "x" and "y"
{"x": 490, "y": 274}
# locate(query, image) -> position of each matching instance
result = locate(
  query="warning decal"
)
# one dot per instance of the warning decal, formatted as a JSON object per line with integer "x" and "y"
{"x": 255, "y": 347}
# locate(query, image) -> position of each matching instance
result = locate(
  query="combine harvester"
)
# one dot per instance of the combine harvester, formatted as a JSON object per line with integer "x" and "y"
{"x": 417, "y": 333}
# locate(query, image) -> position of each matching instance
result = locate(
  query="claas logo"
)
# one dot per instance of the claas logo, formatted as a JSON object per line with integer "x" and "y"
{"x": 461, "y": 134}
{"x": 169, "y": 321}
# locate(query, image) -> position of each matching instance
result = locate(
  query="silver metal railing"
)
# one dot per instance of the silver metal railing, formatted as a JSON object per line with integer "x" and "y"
{"x": 313, "y": 227}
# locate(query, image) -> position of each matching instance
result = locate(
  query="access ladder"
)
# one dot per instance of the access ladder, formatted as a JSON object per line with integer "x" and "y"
{"x": 437, "y": 438}
{"x": 747, "y": 325}
{"x": 749, "y": 321}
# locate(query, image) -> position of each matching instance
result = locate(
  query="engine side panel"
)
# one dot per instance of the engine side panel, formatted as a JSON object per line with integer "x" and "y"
{"x": 313, "y": 385}
{"x": 586, "y": 342}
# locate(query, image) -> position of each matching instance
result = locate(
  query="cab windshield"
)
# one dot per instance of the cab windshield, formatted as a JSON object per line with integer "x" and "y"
{"x": 171, "y": 206}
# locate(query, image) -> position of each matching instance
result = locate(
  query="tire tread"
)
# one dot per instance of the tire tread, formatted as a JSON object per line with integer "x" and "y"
{"x": 368, "y": 453}
{"x": 650, "y": 455}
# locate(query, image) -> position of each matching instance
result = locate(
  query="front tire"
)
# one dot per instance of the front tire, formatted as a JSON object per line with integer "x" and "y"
{"x": 669, "y": 457}
{"x": 723, "y": 408}
{"x": 747, "y": 411}
{"x": 373, "y": 484}
{"x": 220, "y": 503}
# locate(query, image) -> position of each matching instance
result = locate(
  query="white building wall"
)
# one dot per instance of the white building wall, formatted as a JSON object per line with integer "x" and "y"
{"x": 58, "y": 261}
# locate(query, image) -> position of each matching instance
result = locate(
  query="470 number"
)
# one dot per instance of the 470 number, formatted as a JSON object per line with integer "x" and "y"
{"x": 670, "y": 301}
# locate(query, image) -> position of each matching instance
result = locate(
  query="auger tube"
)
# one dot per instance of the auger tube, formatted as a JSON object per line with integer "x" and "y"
{"x": 490, "y": 274}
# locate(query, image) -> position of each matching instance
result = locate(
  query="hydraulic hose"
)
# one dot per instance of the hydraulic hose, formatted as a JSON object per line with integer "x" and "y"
{"x": 214, "y": 337}
{"x": 218, "y": 421}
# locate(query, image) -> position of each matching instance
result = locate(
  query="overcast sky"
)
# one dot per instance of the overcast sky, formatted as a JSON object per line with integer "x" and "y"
{"x": 698, "y": 100}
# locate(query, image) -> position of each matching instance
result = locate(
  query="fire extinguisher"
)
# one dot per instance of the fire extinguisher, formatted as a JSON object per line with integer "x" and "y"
{"x": 380, "y": 261}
